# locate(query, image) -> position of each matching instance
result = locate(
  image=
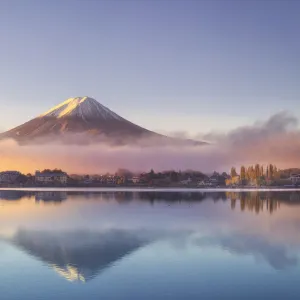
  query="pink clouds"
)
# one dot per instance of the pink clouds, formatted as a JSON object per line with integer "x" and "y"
{"x": 276, "y": 140}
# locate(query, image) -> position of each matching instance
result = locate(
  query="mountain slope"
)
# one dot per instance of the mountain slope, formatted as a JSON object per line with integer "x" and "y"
{"x": 82, "y": 120}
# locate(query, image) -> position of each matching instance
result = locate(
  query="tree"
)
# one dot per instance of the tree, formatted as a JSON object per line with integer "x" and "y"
{"x": 275, "y": 172}
{"x": 151, "y": 175}
{"x": 257, "y": 171}
{"x": 21, "y": 179}
{"x": 233, "y": 172}
{"x": 216, "y": 174}
{"x": 271, "y": 171}
{"x": 124, "y": 172}
{"x": 174, "y": 176}
{"x": 248, "y": 171}
{"x": 243, "y": 173}
{"x": 251, "y": 173}
{"x": 261, "y": 171}
{"x": 224, "y": 174}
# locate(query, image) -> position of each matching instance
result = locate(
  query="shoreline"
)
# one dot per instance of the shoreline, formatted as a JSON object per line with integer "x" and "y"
{"x": 146, "y": 189}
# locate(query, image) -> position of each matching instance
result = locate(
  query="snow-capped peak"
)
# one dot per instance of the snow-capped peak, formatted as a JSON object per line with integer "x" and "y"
{"x": 84, "y": 107}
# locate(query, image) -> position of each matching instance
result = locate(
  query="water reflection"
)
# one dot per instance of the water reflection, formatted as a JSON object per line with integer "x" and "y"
{"x": 78, "y": 255}
{"x": 89, "y": 233}
{"x": 14, "y": 195}
{"x": 153, "y": 196}
{"x": 275, "y": 254}
{"x": 255, "y": 201}
{"x": 250, "y": 201}
{"x": 51, "y": 196}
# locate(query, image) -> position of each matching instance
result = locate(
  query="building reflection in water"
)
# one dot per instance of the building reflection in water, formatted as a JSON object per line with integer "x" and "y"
{"x": 51, "y": 196}
{"x": 252, "y": 201}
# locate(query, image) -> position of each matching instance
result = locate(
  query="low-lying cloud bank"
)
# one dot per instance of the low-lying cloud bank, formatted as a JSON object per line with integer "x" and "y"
{"x": 276, "y": 140}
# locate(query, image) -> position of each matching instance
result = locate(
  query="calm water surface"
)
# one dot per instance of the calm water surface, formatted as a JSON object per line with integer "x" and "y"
{"x": 149, "y": 245}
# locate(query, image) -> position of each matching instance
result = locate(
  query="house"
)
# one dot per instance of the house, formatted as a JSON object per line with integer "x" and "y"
{"x": 186, "y": 181}
{"x": 51, "y": 177}
{"x": 111, "y": 180}
{"x": 135, "y": 179}
{"x": 204, "y": 183}
{"x": 218, "y": 180}
{"x": 88, "y": 181}
{"x": 214, "y": 180}
{"x": 295, "y": 178}
{"x": 9, "y": 176}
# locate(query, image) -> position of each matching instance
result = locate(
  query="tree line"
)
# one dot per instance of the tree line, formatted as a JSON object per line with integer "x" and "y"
{"x": 256, "y": 173}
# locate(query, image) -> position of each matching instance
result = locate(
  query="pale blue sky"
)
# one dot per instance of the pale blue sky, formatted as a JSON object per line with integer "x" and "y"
{"x": 167, "y": 65}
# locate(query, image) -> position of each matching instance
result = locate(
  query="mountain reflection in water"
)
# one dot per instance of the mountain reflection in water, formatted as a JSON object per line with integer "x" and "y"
{"x": 79, "y": 255}
{"x": 88, "y": 233}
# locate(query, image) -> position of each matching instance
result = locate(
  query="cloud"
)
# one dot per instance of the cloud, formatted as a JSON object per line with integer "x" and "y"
{"x": 276, "y": 140}
{"x": 278, "y": 124}
{"x": 96, "y": 158}
{"x": 276, "y": 255}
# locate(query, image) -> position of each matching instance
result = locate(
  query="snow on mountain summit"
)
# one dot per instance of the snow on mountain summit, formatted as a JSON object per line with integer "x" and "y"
{"x": 94, "y": 123}
{"x": 83, "y": 107}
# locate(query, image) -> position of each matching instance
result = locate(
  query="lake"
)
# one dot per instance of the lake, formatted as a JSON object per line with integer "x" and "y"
{"x": 149, "y": 245}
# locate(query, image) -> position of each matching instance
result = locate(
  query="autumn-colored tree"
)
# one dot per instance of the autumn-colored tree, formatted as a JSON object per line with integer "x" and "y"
{"x": 261, "y": 171}
{"x": 257, "y": 171}
{"x": 252, "y": 173}
{"x": 243, "y": 173}
{"x": 233, "y": 172}
{"x": 248, "y": 174}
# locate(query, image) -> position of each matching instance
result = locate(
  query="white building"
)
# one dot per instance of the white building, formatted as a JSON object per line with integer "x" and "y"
{"x": 204, "y": 183}
{"x": 186, "y": 181}
{"x": 295, "y": 178}
{"x": 51, "y": 177}
{"x": 135, "y": 179}
{"x": 111, "y": 180}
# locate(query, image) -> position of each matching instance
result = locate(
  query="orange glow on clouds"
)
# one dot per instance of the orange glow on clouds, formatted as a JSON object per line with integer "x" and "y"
{"x": 277, "y": 140}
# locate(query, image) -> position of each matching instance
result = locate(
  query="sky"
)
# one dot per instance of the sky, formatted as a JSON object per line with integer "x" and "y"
{"x": 193, "y": 66}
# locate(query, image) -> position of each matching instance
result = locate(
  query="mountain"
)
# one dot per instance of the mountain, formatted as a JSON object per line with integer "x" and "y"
{"x": 82, "y": 120}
